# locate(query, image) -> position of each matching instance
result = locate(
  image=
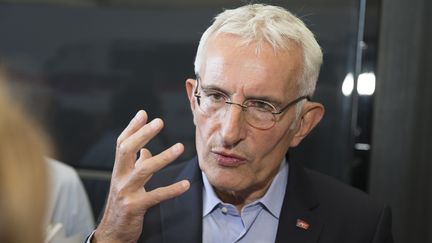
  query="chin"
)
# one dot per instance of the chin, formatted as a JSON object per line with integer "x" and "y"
{"x": 227, "y": 179}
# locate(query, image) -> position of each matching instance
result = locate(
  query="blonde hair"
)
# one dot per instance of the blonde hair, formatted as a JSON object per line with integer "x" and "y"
{"x": 23, "y": 175}
{"x": 258, "y": 23}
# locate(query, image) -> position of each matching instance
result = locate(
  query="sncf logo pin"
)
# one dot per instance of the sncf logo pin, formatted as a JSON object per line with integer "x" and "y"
{"x": 302, "y": 224}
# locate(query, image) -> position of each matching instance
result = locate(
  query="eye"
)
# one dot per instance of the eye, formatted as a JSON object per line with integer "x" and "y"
{"x": 215, "y": 96}
{"x": 261, "y": 106}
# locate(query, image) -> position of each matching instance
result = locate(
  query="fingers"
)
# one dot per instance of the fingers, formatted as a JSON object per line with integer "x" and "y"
{"x": 142, "y": 136}
{"x": 164, "y": 193}
{"x": 134, "y": 137}
{"x": 128, "y": 200}
{"x": 134, "y": 125}
{"x": 144, "y": 154}
{"x": 145, "y": 167}
{"x": 123, "y": 220}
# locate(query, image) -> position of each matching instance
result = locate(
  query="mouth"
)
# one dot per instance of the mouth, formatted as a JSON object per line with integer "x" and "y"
{"x": 228, "y": 159}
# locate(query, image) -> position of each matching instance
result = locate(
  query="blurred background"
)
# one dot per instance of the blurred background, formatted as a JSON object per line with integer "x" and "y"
{"x": 84, "y": 67}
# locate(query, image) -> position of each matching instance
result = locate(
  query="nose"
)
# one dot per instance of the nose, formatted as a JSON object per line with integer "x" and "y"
{"x": 232, "y": 128}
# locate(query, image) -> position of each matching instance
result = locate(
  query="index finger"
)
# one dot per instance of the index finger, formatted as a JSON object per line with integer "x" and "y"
{"x": 136, "y": 122}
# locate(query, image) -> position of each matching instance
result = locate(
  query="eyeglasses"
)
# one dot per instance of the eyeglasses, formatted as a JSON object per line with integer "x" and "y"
{"x": 258, "y": 113}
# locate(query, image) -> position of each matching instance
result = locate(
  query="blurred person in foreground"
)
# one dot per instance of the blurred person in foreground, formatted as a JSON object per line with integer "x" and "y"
{"x": 23, "y": 175}
{"x": 256, "y": 70}
{"x": 36, "y": 192}
{"x": 68, "y": 203}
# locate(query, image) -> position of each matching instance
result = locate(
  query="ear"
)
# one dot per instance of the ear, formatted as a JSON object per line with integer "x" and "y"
{"x": 190, "y": 84}
{"x": 311, "y": 115}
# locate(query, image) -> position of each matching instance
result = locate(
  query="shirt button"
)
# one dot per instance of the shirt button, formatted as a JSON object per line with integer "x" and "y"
{"x": 224, "y": 210}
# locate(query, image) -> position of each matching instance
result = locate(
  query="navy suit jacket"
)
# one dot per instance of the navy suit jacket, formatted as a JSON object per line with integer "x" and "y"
{"x": 334, "y": 212}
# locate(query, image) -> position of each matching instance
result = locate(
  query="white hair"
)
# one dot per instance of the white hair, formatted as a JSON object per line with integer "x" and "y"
{"x": 258, "y": 23}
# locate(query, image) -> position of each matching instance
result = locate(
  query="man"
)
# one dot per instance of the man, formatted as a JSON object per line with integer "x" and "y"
{"x": 256, "y": 69}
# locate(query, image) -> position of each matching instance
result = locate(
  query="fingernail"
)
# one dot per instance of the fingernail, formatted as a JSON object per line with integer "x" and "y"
{"x": 177, "y": 148}
{"x": 155, "y": 124}
{"x": 185, "y": 184}
{"x": 139, "y": 115}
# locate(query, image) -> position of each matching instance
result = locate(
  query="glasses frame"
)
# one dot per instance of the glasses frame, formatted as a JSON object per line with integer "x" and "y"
{"x": 277, "y": 111}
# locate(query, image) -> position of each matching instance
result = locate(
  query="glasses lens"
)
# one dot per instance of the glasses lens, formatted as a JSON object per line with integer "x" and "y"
{"x": 258, "y": 113}
{"x": 211, "y": 103}
{"x": 259, "y": 118}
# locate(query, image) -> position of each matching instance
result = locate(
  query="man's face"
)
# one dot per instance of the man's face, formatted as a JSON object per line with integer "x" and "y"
{"x": 238, "y": 159}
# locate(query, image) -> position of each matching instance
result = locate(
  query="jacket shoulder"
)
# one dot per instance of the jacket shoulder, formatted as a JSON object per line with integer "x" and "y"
{"x": 350, "y": 213}
{"x": 332, "y": 191}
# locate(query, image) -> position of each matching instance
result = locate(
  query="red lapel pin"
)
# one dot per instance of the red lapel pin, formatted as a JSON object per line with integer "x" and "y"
{"x": 302, "y": 224}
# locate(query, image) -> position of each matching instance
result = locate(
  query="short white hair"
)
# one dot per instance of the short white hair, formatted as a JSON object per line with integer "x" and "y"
{"x": 258, "y": 23}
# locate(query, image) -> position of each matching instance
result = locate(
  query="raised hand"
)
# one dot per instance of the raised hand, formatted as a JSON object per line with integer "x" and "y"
{"x": 128, "y": 200}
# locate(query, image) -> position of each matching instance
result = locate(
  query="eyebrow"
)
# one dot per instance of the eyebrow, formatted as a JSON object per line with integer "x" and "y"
{"x": 269, "y": 99}
{"x": 214, "y": 87}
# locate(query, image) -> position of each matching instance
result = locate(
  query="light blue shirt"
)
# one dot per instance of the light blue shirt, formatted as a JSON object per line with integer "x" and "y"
{"x": 257, "y": 221}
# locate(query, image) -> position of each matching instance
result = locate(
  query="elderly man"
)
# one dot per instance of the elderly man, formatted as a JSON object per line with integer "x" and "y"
{"x": 256, "y": 69}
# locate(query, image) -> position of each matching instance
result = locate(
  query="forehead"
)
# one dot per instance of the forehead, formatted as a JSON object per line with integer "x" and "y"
{"x": 251, "y": 69}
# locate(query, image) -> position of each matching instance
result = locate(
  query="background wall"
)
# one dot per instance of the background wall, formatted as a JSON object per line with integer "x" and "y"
{"x": 401, "y": 171}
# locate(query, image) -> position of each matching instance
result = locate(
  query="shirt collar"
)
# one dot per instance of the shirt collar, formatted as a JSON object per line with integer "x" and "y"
{"x": 272, "y": 199}
{"x": 210, "y": 199}
{"x": 274, "y": 196}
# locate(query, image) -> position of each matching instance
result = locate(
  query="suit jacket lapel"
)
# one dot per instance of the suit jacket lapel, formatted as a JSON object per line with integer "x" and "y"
{"x": 182, "y": 217}
{"x": 299, "y": 220}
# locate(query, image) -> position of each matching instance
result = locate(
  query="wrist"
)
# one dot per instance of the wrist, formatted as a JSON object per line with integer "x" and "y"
{"x": 99, "y": 236}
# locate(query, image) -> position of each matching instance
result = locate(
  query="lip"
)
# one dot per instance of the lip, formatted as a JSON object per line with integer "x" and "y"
{"x": 228, "y": 159}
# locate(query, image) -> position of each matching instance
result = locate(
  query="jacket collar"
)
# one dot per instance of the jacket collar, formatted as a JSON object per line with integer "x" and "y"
{"x": 298, "y": 222}
{"x": 182, "y": 216}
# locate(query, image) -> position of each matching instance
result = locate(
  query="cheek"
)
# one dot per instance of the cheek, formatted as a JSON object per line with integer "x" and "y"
{"x": 203, "y": 130}
{"x": 274, "y": 145}
{"x": 203, "y": 141}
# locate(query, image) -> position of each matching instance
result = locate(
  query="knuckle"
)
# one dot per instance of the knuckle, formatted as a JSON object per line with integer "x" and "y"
{"x": 127, "y": 204}
{"x": 121, "y": 194}
{"x": 122, "y": 149}
{"x": 142, "y": 170}
{"x": 157, "y": 197}
{"x": 126, "y": 201}
{"x": 119, "y": 141}
{"x": 145, "y": 153}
